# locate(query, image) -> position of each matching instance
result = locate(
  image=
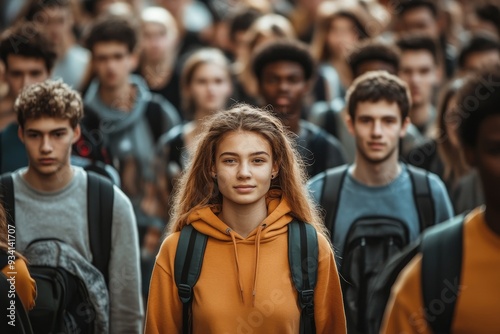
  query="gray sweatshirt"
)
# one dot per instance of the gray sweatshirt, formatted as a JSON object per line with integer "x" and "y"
{"x": 63, "y": 215}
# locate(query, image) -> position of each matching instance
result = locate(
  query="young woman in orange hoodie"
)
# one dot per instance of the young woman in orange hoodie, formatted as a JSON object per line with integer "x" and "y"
{"x": 243, "y": 186}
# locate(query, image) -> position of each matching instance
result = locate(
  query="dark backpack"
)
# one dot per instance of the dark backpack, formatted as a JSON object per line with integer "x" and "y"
{"x": 441, "y": 247}
{"x": 370, "y": 241}
{"x": 63, "y": 303}
{"x": 302, "y": 255}
{"x": 15, "y": 318}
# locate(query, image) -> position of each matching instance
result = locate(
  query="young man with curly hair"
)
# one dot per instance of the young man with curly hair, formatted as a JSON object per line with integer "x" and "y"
{"x": 50, "y": 196}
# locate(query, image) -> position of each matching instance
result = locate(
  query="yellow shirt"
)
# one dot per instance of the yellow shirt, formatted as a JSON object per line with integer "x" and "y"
{"x": 477, "y": 309}
{"x": 25, "y": 285}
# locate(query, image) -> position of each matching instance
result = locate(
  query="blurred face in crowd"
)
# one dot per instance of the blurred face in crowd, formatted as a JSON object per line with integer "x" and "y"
{"x": 419, "y": 70}
{"x": 342, "y": 36}
{"x": 377, "y": 128}
{"x": 283, "y": 85}
{"x": 23, "y": 71}
{"x": 210, "y": 87}
{"x": 56, "y": 23}
{"x": 485, "y": 156}
{"x": 419, "y": 20}
{"x": 478, "y": 60}
{"x": 113, "y": 63}
{"x": 155, "y": 41}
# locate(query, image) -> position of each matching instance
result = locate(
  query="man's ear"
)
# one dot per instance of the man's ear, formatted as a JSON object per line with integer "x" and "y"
{"x": 404, "y": 126}
{"x": 20, "y": 133}
{"x": 470, "y": 155}
{"x": 77, "y": 132}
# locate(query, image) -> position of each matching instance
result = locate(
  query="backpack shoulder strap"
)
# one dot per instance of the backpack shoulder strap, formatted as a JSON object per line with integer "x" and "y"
{"x": 331, "y": 122}
{"x": 330, "y": 194}
{"x": 382, "y": 285}
{"x": 8, "y": 200}
{"x": 303, "y": 258}
{"x": 154, "y": 117}
{"x": 422, "y": 196}
{"x": 187, "y": 268}
{"x": 100, "y": 199}
{"x": 442, "y": 248}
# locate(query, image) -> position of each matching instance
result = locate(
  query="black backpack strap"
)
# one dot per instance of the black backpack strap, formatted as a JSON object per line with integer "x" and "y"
{"x": 330, "y": 194}
{"x": 442, "y": 248}
{"x": 423, "y": 196}
{"x": 303, "y": 258}
{"x": 100, "y": 199}
{"x": 8, "y": 201}
{"x": 187, "y": 269}
{"x": 331, "y": 122}
{"x": 154, "y": 117}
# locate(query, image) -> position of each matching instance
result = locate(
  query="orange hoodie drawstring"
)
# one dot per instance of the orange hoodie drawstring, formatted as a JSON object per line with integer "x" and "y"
{"x": 257, "y": 257}
{"x": 240, "y": 285}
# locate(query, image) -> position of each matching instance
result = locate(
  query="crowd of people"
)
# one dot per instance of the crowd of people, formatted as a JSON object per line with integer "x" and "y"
{"x": 162, "y": 154}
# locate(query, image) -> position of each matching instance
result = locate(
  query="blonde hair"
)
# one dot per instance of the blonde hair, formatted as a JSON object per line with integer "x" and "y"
{"x": 161, "y": 16}
{"x": 194, "y": 61}
{"x": 196, "y": 187}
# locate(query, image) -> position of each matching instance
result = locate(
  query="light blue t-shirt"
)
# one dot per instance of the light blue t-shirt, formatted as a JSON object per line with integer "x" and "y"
{"x": 394, "y": 200}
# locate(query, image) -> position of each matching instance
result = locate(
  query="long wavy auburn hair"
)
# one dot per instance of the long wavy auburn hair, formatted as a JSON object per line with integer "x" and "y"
{"x": 196, "y": 188}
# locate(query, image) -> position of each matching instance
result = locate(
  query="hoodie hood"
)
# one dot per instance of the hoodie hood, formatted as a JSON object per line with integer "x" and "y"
{"x": 205, "y": 220}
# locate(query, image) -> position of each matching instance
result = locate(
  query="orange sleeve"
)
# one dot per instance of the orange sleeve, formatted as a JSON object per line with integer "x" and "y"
{"x": 164, "y": 310}
{"x": 329, "y": 312}
{"x": 25, "y": 285}
{"x": 404, "y": 313}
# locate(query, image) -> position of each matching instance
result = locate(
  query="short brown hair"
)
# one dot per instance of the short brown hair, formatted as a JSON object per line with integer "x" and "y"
{"x": 375, "y": 86}
{"x": 26, "y": 40}
{"x": 49, "y": 98}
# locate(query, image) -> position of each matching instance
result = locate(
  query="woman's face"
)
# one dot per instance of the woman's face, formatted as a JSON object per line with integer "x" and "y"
{"x": 342, "y": 36}
{"x": 451, "y": 121}
{"x": 210, "y": 87}
{"x": 155, "y": 41}
{"x": 243, "y": 168}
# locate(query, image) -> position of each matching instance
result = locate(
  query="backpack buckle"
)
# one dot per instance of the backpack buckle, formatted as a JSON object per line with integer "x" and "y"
{"x": 185, "y": 293}
{"x": 306, "y": 298}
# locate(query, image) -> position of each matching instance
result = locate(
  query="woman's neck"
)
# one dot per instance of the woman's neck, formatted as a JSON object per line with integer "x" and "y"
{"x": 243, "y": 219}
